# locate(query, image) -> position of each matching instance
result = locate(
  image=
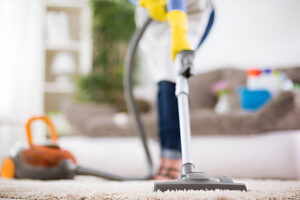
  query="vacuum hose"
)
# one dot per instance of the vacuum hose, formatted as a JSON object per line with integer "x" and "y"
{"x": 132, "y": 109}
{"x": 128, "y": 92}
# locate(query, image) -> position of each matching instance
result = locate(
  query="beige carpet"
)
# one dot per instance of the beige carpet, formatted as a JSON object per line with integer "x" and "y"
{"x": 94, "y": 188}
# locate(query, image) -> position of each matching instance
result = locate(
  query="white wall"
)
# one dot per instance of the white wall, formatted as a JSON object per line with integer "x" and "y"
{"x": 21, "y": 68}
{"x": 253, "y": 32}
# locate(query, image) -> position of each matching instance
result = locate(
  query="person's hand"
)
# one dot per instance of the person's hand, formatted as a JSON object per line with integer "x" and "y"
{"x": 178, "y": 23}
{"x": 156, "y": 8}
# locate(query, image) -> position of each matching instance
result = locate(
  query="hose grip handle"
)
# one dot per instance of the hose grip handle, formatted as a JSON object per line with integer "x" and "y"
{"x": 47, "y": 121}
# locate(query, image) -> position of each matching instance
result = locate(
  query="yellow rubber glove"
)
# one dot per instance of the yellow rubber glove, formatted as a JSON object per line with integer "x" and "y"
{"x": 178, "y": 23}
{"x": 156, "y": 8}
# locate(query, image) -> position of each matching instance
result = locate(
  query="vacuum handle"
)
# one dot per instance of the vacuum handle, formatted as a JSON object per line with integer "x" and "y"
{"x": 183, "y": 65}
{"x": 47, "y": 121}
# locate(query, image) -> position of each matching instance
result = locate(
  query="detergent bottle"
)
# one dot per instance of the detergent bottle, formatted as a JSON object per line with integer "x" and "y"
{"x": 253, "y": 79}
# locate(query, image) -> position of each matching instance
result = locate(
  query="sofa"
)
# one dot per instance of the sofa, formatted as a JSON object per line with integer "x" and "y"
{"x": 281, "y": 113}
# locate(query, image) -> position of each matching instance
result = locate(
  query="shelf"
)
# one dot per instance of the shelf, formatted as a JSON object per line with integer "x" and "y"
{"x": 71, "y": 4}
{"x": 58, "y": 88}
{"x": 66, "y": 46}
{"x": 53, "y": 87}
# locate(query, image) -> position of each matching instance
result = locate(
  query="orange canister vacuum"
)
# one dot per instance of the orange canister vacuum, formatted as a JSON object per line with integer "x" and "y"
{"x": 38, "y": 161}
{"x": 49, "y": 162}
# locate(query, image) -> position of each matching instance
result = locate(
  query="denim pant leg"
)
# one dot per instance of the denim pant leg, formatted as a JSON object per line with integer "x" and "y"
{"x": 169, "y": 132}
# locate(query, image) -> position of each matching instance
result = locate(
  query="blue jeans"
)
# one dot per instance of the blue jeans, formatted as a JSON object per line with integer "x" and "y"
{"x": 168, "y": 118}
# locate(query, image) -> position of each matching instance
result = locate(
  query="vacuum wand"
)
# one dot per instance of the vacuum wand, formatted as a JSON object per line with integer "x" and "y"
{"x": 183, "y": 65}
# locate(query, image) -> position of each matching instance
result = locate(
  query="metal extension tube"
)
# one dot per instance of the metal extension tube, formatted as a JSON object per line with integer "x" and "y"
{"x": 183, "y": 64}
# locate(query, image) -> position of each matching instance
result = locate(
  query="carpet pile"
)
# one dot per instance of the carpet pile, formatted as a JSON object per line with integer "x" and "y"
{"x": 84, "y": 187}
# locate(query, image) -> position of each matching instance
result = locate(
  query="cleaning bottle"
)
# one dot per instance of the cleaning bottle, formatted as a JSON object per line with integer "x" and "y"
{"x": 253, "y": 79}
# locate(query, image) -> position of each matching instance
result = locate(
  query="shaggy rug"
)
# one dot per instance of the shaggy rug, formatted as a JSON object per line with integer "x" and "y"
{"x": 93, "y": 188}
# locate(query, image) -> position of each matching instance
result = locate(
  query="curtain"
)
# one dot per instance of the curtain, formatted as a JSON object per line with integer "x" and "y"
{"x": 21, "y": 69}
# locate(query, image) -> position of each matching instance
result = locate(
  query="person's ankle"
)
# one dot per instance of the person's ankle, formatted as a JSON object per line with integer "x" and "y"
{"x": 172, "y": 154}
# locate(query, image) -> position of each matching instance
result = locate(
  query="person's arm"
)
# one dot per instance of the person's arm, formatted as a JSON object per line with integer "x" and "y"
{"x": 175, "y": 12}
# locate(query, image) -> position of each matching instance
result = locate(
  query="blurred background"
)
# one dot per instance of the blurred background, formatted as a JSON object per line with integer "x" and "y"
{"x": 65, "y": 58}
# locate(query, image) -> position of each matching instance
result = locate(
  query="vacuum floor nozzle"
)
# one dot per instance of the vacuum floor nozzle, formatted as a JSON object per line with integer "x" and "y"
{"x": 199, "y": 181}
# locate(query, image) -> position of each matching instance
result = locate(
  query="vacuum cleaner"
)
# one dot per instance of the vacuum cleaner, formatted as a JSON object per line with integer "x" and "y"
{"x": 48, "y": 162}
